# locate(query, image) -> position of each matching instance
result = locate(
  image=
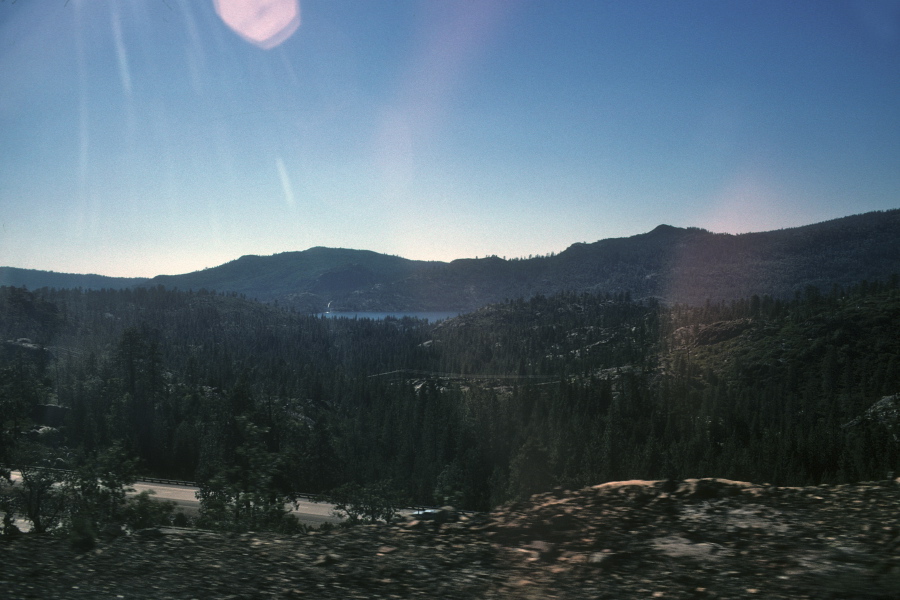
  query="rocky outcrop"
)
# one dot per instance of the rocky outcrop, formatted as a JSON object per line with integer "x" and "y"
{"x": 704, "y": 538}
{"x": 713, "y": 333}
{"x": 885, "y": 412}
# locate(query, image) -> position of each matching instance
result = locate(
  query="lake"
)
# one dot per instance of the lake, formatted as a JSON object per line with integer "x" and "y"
{"x": 428, "y": 316}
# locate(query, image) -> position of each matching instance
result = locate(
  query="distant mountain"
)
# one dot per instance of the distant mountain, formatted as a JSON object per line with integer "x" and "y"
{"x": 673, "y": 264}
{"x": 686, "y": 265}
{"x": 308, "y": 280}
{"x": 34, "y": 279}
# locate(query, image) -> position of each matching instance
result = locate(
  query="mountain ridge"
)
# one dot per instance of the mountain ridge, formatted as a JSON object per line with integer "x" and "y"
{"x": 673, "y": 264}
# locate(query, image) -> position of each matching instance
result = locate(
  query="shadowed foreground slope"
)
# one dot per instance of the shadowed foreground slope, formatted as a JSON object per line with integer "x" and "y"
{"x": 703, "y": 538}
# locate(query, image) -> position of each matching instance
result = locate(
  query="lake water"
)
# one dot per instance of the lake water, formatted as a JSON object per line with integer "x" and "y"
{"x": 428, "y": 316}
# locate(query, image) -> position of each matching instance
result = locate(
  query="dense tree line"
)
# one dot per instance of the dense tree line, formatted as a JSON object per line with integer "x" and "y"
{"x": 258, "y": 403}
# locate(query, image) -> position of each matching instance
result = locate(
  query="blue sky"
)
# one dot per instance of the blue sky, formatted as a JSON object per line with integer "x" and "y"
{"x": 147, "y": 137}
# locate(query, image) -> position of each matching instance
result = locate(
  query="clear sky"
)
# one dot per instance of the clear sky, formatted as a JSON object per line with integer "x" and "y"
{"x": 147, "y": 137}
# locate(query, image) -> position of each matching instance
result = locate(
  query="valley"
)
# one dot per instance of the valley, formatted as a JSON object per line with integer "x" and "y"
{"x": 261, "y": 403}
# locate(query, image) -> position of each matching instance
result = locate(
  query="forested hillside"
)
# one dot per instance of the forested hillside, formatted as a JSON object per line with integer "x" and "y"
{"x": 685, "y": 265}
{"x": 35, "y": 279}
{"x": 306, "y": 280}
{"x": 572, "y": 389}
{"x": 670, "y": 264}
{"x": 675, "y": 265}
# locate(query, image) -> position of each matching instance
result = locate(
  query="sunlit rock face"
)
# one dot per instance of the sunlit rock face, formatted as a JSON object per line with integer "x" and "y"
{"x": 264, "y": 23}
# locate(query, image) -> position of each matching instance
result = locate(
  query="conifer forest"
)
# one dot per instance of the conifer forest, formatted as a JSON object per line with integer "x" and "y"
{"x": 259, "y": 403}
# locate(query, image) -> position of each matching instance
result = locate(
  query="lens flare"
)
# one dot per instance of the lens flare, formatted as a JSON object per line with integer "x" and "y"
{"x": 285, "y": 182}
{"x": 264, "y": 23}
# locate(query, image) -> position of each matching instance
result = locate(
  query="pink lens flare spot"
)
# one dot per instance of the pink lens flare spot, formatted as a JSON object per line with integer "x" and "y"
{"x": 264, "y": 23}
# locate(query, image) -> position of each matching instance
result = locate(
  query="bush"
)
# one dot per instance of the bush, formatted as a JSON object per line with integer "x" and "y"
{"x": 82, "y": 536}
{"x": 142, "y": 511}
{"x": 181, "y": 520}
{"x": 379, "y": 501}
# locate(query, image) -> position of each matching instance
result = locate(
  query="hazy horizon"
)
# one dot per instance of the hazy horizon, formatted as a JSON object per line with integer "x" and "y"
{"x": 502, "y": 256}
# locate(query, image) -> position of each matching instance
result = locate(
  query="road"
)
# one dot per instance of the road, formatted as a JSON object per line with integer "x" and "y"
{"x": 185, "y": 499}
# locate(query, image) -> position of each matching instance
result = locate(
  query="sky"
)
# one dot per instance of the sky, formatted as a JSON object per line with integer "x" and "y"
{"x": 147, "y": 137}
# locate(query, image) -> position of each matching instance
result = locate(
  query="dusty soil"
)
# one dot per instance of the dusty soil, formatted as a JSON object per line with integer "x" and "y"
{"x": 637, "y": 539}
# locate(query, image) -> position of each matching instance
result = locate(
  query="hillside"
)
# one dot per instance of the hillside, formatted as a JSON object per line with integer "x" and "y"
{"x": 675, "y": 265}
{"x": 509, "y": 400}
{"x": 34, "y": 279}
{"x": 525, "y": 397}
{"x": 308, "y": 280}
{"x": 634, "y": 539}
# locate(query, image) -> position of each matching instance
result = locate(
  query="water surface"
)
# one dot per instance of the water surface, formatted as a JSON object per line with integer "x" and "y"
{"x": 430, "y": 316}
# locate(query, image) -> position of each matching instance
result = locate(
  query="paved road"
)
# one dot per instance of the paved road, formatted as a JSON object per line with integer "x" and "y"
{"x": 185, "y": 499}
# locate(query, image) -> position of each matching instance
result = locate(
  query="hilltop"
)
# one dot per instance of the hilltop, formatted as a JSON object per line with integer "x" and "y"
{"x": 672, "y": 264}
{"x": 704, "y": 538}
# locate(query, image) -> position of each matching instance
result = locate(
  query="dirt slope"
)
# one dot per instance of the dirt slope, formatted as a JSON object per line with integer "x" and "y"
{"x": 637, "y": 539}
